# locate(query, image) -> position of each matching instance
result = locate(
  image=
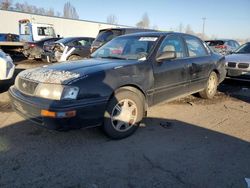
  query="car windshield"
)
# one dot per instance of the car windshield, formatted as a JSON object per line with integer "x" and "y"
{"x": 107, "y": 35}
{"x": 129, "y": 47}
{"x": 244, "y": 49}
{"x": 215, "y": 42}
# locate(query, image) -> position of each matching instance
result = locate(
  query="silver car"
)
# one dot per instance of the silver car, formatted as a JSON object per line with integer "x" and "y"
{"x": 238, "y": 63}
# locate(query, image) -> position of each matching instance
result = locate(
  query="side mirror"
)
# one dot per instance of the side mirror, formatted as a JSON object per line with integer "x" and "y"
{"x": 167, "y": 55}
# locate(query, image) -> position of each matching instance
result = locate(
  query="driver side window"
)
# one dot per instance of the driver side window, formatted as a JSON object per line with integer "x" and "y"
{"x": 172, "y": 43}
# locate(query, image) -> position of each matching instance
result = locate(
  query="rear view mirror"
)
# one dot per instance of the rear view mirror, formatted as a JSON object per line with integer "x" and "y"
{"x": 167, "y": 55}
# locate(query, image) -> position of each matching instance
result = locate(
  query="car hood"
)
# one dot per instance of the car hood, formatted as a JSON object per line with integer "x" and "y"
{"x": 64, "y": 73}
{"x": 241, "y": 58}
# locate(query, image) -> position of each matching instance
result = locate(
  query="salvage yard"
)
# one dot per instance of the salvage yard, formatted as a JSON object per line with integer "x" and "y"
{"x": 90, "y": 96}
{"x": 189, "y": 142}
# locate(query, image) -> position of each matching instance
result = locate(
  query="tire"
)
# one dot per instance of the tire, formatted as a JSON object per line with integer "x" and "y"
{"x": 117, "y": 123}
{"x": 211, "y": 87}
{"x": 74, "y": 57}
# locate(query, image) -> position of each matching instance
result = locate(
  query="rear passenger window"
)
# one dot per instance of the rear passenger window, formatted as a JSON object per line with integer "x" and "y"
{"x": 236, "y": 44}
{"x": 230, "y": 43}
{"x": 74, "y": 43}
{"x": 195, "y": 47}
{"x": 172, "y": 43}
{"x": 84, "y": 42}
{"x": 107, "y": 35}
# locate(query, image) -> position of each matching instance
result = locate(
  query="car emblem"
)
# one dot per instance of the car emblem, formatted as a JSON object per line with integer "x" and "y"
{"x": 24, "y": 85}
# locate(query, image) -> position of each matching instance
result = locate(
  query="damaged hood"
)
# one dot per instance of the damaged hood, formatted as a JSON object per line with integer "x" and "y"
{"x": 240, "y": 58}
{"x": 64, "y": 73}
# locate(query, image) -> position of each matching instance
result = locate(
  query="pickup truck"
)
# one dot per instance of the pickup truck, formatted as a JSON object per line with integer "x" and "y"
{"x": 28, "y": 32}
{"x": 115, "y": 87}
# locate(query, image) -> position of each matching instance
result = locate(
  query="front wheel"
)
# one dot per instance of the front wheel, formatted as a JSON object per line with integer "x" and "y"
{"x": 211, "y": 87}
{"x": 123, "y": 114}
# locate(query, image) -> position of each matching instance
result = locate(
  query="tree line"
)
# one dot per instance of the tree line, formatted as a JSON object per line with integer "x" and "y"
{"x": 69, "y": 10}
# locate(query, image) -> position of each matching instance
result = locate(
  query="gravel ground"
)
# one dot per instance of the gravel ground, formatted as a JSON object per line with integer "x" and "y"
{"x": 189, "y": 142}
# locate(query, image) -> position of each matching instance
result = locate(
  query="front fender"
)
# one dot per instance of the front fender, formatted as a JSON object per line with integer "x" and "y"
{"x": 105, "y": 83}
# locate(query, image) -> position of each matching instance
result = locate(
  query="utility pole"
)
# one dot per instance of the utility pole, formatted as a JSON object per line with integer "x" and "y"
{"x": 203, "y": 27}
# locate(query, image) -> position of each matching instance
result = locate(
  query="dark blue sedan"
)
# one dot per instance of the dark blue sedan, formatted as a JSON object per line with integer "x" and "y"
{"x": 115, "y": 87}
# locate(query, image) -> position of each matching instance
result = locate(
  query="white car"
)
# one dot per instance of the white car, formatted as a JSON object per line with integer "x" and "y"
{"x": 238, "y": 63}
{"x": 7, "y": 67}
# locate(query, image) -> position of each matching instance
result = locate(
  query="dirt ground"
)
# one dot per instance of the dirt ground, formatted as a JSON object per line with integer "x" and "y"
{"x": 189, "y": 142}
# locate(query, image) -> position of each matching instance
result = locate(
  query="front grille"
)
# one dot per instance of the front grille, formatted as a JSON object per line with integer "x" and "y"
{"x": 27, "y": 112}
{"x": 26, "y": 86}
{"x": 231, "y": 64}
{"x": 243, "y": 65}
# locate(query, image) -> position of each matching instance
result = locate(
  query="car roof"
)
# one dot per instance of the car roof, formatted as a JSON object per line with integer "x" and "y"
{"x": 156, "y": 34}
{"x": 71, "y": 38}
{"x": 224, "y": 40}
{"x": 127, "y": 29}
{"x": 67, "y": 39}
{"x": 46, "y": 39}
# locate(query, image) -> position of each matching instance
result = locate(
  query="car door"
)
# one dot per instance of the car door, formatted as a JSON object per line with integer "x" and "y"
{"x": 199, "y": 62}
{"x": 83, "y": 47}
{"x": 170, "y": 76}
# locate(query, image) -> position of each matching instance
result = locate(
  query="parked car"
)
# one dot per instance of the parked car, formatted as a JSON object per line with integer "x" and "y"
{"x": 10, "y": 43}
{"x": 34, "y": 50}
{"x": 81, "y": 44}
{"x": 9, "y": 37}
{"x": 118, "y": 83}
{"x": 238, "y": 63}
{"x": 106, "y": 35}
{"x": 223, "y": 46}
{"x": 7, "y": 67}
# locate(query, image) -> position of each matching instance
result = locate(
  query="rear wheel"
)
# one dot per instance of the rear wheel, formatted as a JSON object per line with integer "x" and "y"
{"x": 74, "y": 57}
{"x": 123, "y": 114}
{"x": 211, "y": 87}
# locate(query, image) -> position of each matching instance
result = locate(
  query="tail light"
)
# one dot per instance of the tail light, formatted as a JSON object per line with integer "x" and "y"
{"x": 32, "y": 45}
{"x": 93, "y": 49}
{"x": 221, "y": 46}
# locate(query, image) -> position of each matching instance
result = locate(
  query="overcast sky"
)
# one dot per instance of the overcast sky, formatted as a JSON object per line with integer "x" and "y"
{"x": 225, "y": 18}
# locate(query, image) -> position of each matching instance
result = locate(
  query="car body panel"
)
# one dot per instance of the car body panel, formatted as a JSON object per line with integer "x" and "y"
{"x": 34, "y": 50}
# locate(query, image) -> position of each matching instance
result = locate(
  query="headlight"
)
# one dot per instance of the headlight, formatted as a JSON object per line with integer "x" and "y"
{"x": 56, "y": 92}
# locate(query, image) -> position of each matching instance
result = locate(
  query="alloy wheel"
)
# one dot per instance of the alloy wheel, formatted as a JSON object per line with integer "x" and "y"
{"x": 124, "y": 115}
